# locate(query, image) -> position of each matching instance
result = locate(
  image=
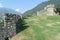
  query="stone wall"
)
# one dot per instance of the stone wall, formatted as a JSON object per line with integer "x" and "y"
{"x": 9, "y": 28}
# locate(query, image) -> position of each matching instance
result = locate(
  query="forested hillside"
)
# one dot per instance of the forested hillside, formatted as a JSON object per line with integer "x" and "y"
{"x": 41, "y": 6}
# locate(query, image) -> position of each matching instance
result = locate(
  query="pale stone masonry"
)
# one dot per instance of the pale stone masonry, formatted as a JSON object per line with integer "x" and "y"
{"x": 48, "y": 11}
{"x": 9, "y": 28}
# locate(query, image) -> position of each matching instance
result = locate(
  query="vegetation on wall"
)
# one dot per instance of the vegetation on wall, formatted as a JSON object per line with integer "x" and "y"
{"x": 1, "y": 24}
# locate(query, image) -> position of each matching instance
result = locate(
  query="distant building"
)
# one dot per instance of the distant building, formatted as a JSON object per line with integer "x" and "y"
{"x": 48, "y": 10}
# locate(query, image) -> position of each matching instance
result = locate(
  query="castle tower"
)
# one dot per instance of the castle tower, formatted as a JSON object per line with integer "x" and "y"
{"x": 50, "y": 10}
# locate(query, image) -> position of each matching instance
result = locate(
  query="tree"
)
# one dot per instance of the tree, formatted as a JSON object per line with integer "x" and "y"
{"x": 57, "y": 10}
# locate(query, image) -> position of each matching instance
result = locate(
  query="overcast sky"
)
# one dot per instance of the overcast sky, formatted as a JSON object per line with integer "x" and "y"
{"x": 20, "y": 5}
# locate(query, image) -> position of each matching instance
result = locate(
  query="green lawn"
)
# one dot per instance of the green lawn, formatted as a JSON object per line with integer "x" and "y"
{"x": 40, "y": 28}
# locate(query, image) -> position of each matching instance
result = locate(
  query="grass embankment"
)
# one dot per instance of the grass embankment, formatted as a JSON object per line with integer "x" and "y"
{"x": 40, "y": 28}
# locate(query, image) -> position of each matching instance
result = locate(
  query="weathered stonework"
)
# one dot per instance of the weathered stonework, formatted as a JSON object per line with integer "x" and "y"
{"x": 9, "y": 28}
{"x": 48, "y": 10}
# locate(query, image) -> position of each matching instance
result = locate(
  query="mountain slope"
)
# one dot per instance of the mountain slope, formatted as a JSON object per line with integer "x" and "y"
{"x": 6, "y": 10}
{"x": 37, "y": 8}
{"x": 41, "y": 6}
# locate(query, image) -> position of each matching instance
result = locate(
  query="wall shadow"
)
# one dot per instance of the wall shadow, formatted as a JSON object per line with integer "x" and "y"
{"x": 21, "y": 25}
{"x": 6, "y": 38}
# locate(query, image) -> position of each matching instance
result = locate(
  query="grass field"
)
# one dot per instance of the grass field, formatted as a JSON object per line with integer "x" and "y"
{"x": 40, "y": 28}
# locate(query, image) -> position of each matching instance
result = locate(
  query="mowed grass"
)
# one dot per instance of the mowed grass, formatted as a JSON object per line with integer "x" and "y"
{"x": 40, "y": 28}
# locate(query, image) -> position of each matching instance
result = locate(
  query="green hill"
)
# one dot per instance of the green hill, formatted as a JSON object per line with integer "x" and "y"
{"x": 35, "y": 9}
{"x": 41, "y": 6}
{"x": 40, "y": 28}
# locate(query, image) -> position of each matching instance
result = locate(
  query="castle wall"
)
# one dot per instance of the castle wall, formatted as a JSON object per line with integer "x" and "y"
{"x": 9, "y": 28}
{"x": 48, "y": 11}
